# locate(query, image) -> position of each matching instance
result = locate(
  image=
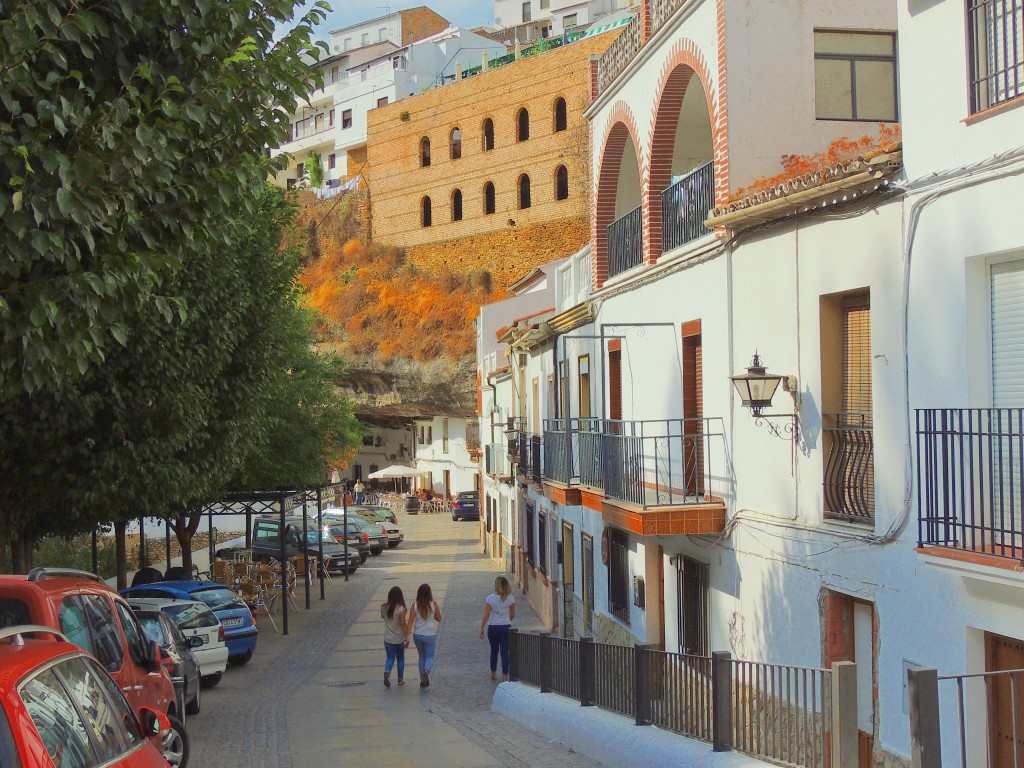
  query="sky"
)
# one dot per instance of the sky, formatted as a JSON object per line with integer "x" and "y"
{"x": 461, "y": 13}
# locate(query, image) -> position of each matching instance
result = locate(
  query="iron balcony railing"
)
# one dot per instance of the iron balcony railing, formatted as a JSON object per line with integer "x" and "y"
{"x": 531, "y": 453}
{"x": 685, "y": 206}
{"x": 849, "y": 467}
{"x": 970, "y": 479}
{"x": 663, "y": 463}
{"x": 625, "y": 243}
{"x": 572, "y": 451}
{"x": 779, "y": 712}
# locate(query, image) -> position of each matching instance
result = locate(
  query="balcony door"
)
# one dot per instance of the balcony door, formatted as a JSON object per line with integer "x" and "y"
{"x": 693, "y": 411}
{"x": 1003, "y": 653}
{"x": 615, "y": 381}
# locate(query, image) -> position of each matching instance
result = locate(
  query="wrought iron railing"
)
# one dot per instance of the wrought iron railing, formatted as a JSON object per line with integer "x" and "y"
{"x": 572, "y": 450}
{"x": 625, "y": 242}
{"x": 970, "y": 479}
{"x": 659, "y": 463}
{"x": 779, "y": 712}
{"x": 536, "y": 457}
{"x": 849, "y": 467}
{"x": 591, "y": 461}
{"x": 685, "y": 206}
{"x": 559, "y": 461}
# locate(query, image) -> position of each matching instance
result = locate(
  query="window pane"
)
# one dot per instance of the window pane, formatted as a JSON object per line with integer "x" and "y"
{"x": 876, "y": 90}
{"x": 833, "y": 90}
{"x": 108, "y": 716}
{"x": 58, "y": 722}
{"x": 137, "y": 641}
{"x": 854, "y": 42}
{"x": 104, "y": 632}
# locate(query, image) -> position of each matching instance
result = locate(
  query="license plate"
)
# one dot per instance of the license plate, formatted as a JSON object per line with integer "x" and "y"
{"x": 232, "y": 622}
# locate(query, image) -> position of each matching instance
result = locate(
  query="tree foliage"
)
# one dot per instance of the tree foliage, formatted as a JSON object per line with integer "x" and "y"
{"x": 132, "y": 132}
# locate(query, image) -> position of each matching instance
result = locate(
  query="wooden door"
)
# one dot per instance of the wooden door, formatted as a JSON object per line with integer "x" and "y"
{"x": 693, "y": 411}
{"x": 447, "y": 484}
{"x": 1004, "y": 653}
{"x": 615, "y": 384}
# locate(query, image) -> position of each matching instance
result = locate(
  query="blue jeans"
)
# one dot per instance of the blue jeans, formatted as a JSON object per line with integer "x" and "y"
{"x": 425, "y": 645}
{"x": 359, "y": 497}
{"x": 395, "y": 652}
{"x": 497, "y": 634}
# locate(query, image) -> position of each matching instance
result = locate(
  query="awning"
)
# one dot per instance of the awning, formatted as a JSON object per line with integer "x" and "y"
{"x": 396, "y": 470}
{"x": 609, "y": 22}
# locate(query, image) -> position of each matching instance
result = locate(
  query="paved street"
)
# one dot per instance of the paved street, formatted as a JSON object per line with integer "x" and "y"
{"x": 317, "y": 696}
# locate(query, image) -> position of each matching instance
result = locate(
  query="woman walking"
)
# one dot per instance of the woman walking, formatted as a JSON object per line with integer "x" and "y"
{"x": 422, "y": 624}
{"x": 395, "y": 639}
{"x": 499, "y": 610}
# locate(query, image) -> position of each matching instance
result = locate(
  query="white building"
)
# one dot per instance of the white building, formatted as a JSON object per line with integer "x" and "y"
{"x": 382, "y": 447}
{"x": 447, "y": 449}
{"x": 872, "y": 511}
{"x": 529, "y": 20}
{"x": 404, "y": 53}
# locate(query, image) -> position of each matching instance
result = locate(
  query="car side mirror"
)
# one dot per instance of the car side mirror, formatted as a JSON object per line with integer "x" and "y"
{"x": 195, "y": 641}
{"x": 154, "y": 722}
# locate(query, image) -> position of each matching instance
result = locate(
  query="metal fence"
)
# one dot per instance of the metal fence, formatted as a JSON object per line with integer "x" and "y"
{"x": 625, "y": 242}
{"x": 849, "y": 466}
{"x": 970, "y": 475}
{"x": 778, "y": 712}
{"x": 685, "y": 206}
{"x": 782, "y": 713}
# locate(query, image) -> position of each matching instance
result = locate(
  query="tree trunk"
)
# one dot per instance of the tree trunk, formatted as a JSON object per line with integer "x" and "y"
{"x": 5, "y": 539}
{"x": 121, "y": 553}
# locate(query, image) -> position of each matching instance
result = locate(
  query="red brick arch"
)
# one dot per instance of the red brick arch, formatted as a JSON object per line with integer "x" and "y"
{"x": 683, "y": 62}
{"x": 621, "y": 127}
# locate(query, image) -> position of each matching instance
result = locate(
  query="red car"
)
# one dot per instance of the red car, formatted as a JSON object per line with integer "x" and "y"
{"x": 93, "y": 616}
{"x": 60, "y": 709}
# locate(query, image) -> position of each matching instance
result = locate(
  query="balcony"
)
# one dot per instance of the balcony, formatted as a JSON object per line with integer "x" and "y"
{"x": 849, "y": 467}
{"x": 970, "y": 478}
{"x": 657, "y": 477}
{"x": 531, "y": 450}
{"x": 625, "y": 242}
{"x": 685, "y": 206}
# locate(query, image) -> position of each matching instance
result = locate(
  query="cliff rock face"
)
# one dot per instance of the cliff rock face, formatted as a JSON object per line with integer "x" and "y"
{"x": 395, "y": 391}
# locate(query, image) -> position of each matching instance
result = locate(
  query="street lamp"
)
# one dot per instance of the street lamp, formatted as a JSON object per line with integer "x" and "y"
{"x": 756, "y": 387}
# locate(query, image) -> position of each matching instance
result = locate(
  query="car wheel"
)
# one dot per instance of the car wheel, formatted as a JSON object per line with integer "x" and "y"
{"x": 240, "y": 660}
{"x": 210, "y": 681}
{"x": 193, "y": 707}
{"x": 174, "y": 745}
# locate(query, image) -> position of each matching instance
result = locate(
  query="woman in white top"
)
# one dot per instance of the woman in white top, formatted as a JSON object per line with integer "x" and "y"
{"x": 499, "y": 610}
{"x": 422, "y": 622}
{"x": 395, "y": 640}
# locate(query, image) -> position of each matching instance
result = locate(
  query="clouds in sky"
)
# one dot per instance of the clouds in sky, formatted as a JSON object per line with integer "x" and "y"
{"x": 461, "y": 13}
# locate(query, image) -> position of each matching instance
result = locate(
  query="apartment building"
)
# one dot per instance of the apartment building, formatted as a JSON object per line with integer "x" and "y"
{"x": 397, "y": 56}
{"x": 785, "y": 423}
{"x": 447, "y": 450}
{"x": 525, "y": 21}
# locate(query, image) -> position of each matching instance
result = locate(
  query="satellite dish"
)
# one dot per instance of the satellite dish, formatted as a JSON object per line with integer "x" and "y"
{"x": 497, "y": 20}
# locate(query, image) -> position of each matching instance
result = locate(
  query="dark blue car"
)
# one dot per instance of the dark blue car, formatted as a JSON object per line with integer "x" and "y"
{"x": 466, "y": 506}
{"x": 240, "y": 633}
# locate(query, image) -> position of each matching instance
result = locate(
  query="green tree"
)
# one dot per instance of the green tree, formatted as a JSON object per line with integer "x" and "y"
{"x": 315, "y": 170}
{"x": 132, "y": 133}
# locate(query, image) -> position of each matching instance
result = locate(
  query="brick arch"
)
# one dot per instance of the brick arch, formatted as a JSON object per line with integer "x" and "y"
{"x": 683, "y": 62}
{"x": 621, "y": 126}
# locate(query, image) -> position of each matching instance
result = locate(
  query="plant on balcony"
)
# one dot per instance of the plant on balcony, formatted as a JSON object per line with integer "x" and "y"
{"x": 315, "y": 170}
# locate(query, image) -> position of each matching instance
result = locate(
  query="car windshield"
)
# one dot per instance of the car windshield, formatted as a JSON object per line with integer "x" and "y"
{"x": 471, "y": 495}
{"x": 152, "y": 627}
{"x": 190, "y": 616}
{"x": 217, "y": 598}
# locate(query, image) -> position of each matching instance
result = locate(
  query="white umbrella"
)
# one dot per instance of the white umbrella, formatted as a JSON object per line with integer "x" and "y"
{"x": 394, "y": 471}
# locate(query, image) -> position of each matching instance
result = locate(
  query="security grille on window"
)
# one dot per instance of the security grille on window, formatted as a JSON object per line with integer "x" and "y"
{"x": 531, "y": 549}
{"x": 619, "y": 585}
{"x": 694, "y": 606}
{"x": 996, "y": 50}
{"x": 855, "y": 75}
{"x": 346, "y": 118}
{"x": 542, "y": 542}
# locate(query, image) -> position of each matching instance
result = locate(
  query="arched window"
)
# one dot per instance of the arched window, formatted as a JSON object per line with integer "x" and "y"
{"x": 524, "y": 191}
{"x": 424, "y": 152}
{"x": 488, "y": 198}
{"x": 426, "y": 218}
{"x": 560, "y": 116}
{"x": 522, "y": 125}
{"x": 456, "y": 142}
{"x": 488, "y": 135}
{"x": 561, "y": 183}
{"x": 457, "y": 205}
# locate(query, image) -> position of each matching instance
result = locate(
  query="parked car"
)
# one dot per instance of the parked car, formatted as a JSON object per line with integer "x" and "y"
{"x": 59, "y": 707}
{"x": 240, "y": 632}
{"x": 357, "y": 541}
{"x": 177, "y": 650}
{"x": 93, "y": 616}
{"x": 373, "y": 515}
{"x": 199, "y": 625}
{"x": 266, "y": 542}
{"x": 466, "y": 506}
{"x": 373, "y": 538}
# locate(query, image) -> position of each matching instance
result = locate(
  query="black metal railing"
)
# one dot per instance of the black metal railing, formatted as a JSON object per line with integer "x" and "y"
{"x": 523, "y": 452}
{"x": 779, "y": 712}
{"x": 849, "y": 467}
{"x": 997, "y": 58}
{"x": 685, "y": 206}
{"x": 536, "y": 457}
{"x": 625, "y": 242}
{"x": 658, "y": 463}
{"x": 558, "y": 460}
{"x": 970, "y": 479}
{"x": 572, "y": 451}
{"x": 591, "y": 461}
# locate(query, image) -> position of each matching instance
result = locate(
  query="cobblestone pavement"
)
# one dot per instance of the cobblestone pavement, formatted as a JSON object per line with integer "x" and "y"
{"x": 316, "y": 697}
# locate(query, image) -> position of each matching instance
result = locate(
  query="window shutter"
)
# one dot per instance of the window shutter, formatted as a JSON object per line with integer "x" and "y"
{"x": 857, "y": 355}
{"x": 1007, "y": 286}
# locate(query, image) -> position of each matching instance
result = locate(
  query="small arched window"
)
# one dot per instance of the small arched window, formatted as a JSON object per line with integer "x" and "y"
{"x": 426, "y": 218}
{"x": 524, "y": 191}
{"x": 561, "y": 120}
{"x": 424, "y": 152}
{"x": 488, "y": 135}
{"x": 488, "y": 198}
{"x": 522, "y": 125}
{"x": 456, "y": 142}
{"x": 457, "y": 205}
{"x": 561, "y": 183}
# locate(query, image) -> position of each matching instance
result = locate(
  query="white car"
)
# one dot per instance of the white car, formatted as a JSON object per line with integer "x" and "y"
{"x": 194, "y": 619}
